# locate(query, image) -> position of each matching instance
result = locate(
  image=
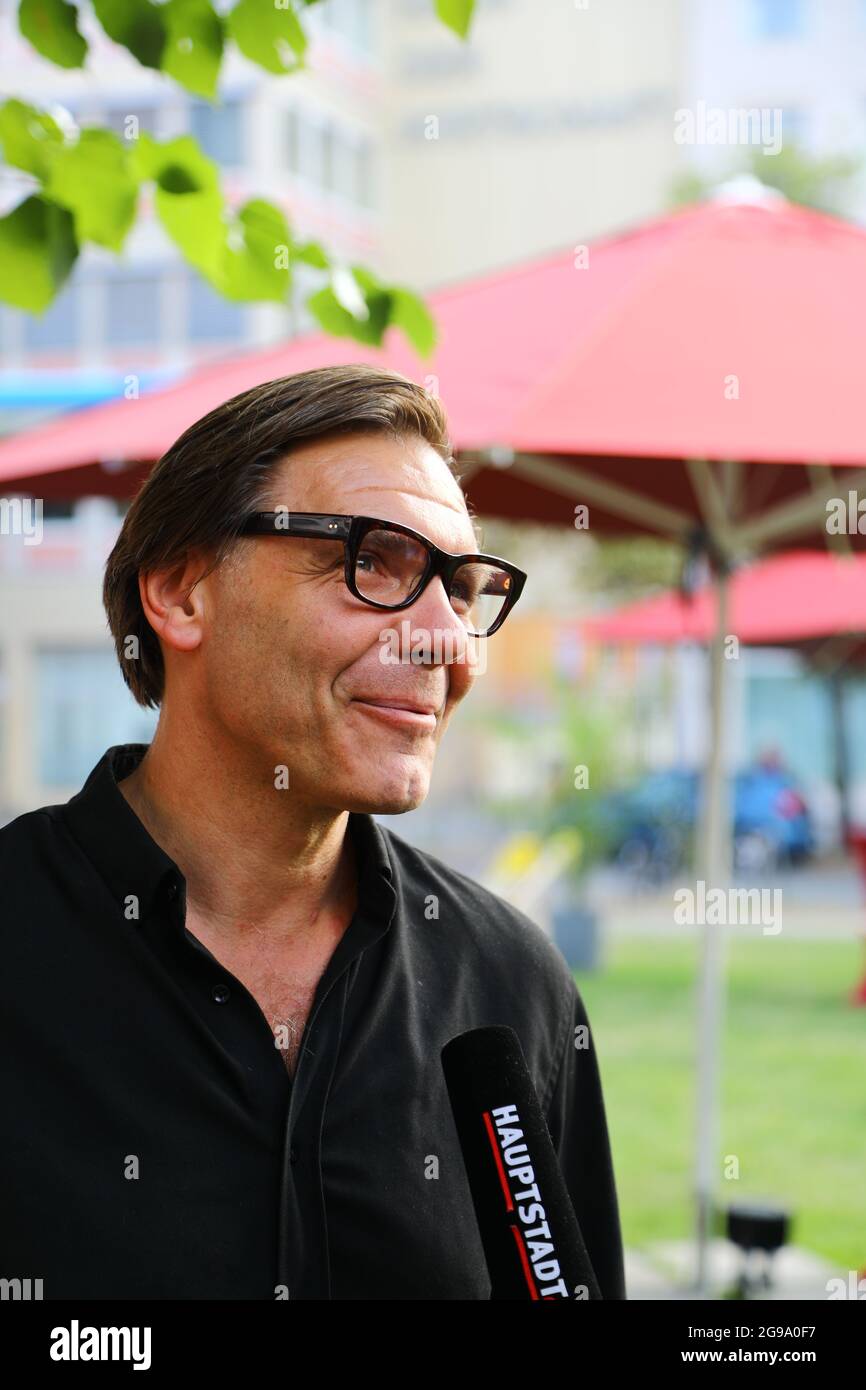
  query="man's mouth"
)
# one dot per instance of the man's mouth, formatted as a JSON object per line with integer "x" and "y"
{"x": 419, "y": 714}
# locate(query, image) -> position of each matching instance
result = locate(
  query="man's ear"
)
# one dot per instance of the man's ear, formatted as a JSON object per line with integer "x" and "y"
{"x": 174, "y": 601}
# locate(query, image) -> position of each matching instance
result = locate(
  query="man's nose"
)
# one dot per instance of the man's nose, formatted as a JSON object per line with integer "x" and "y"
{"x": 433, "y": 612}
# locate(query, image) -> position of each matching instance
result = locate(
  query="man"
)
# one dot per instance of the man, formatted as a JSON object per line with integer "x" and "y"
{"x": 227, "y": 987}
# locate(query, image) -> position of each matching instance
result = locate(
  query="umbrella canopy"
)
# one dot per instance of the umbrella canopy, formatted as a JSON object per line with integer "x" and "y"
{"x": 789, "y": 599}
{"x": 682, "y": 340}
{"x": 713, "y": 319}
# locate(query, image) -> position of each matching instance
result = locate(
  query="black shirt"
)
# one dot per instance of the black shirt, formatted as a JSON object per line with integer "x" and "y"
{"x": 152, "y": 1143}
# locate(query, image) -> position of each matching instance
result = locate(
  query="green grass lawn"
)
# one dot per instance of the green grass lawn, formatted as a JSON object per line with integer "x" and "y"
{"x": 793, "y": 1084}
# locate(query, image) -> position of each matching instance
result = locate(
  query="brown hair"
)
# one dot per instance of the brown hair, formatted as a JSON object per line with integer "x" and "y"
{"x": 218, "y": 470}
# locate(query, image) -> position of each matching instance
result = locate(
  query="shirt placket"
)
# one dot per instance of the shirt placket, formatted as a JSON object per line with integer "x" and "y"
{"x": 303, "y": 1268}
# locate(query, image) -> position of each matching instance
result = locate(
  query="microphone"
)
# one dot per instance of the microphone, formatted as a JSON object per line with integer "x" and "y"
{"x": 531, "y": 1237}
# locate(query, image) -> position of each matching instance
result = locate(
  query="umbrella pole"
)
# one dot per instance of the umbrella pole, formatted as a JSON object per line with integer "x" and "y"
{"x": 841, "y": 762}
{"x": 714, "y": 864}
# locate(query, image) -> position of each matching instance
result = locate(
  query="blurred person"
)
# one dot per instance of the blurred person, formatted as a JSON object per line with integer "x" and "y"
{"x": 225, "y": 984}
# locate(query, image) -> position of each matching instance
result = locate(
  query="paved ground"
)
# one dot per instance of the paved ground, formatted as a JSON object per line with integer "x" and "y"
{"x": 822, "y": 901}
{"x": 666, "y": 1271}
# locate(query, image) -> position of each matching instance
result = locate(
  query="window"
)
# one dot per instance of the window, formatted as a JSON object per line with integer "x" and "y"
{"x": 212, "y": 318}
{"x": 219, "y": 130}
{"x": 352, "y": 20}
{"x": 328, "y": 156}
{"x": 83, "y": 707}
{"x": 344, "y": 168}
{"x": 133, "y": 317}
{"x": 310, "y": 150}
{"x": 365, "y": 175}
{"x": 304, "y": 283}
{"x": 326, "y": 175}
{"x": 57, "y": 328}
{"x": 778, "y": 19}
{"x": 292, "y": 140}
{"x": 363, "y": 34}
{"x": 129, "y": 120}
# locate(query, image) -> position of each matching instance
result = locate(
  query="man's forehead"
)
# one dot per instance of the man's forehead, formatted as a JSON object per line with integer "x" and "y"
{"x": 378, "y": 477}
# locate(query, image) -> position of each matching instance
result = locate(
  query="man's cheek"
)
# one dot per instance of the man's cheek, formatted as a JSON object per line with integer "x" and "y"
{"x": 462, "y": 679}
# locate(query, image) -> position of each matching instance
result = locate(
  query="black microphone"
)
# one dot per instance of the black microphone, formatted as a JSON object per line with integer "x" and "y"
{"x": 531, "y": 1237}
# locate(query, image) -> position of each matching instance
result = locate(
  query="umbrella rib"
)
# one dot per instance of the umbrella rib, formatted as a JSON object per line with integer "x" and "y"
{"x": 789, "y": 518}
{"x": 712, "y": 503}
{"x": 573, "y": 481}
{"x": 838, "y": 542}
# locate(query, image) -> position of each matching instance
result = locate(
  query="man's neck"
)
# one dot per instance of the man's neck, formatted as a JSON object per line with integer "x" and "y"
{"x": 254, "y": 857}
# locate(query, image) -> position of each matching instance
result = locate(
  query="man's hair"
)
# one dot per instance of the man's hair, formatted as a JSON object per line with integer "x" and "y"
{"x": 219, "y": 470}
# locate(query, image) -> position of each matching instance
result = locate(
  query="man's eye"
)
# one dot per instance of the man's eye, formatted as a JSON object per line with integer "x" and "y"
{"x": 463, "y": 595}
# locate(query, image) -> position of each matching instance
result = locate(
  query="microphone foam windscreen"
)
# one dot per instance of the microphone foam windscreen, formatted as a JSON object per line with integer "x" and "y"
{"x": 528, "y": 1227}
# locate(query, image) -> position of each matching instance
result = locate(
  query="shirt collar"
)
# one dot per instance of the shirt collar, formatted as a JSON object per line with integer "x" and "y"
{"x": 132, "y": 863}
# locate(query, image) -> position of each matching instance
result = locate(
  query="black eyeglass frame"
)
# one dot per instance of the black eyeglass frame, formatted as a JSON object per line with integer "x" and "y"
{"x": 352, "y": 529}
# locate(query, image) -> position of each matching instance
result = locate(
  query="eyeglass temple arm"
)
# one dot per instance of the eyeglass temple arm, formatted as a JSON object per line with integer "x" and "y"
{"x": 310, "y": 524}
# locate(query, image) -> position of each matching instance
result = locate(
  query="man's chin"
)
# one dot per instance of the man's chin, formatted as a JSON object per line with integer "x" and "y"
{"x": 386, "y": 804}
{"x": 382, "y": 796}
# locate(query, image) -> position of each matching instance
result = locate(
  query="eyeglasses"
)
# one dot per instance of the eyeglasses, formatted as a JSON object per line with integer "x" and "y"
{"x": 389, "y": 566}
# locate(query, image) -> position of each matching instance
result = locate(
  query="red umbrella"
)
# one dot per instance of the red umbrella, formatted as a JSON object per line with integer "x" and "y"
{"x": 718, "y": 319}
{"x": 787, "y": 599}
{"x": 682, "y": 340}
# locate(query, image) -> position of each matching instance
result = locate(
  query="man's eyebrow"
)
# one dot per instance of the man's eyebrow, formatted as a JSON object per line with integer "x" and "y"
{"x": 397, "y": 539}
{"x": 393, "y": 540}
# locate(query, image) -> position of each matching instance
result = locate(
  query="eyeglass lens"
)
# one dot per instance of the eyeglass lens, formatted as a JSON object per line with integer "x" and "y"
{"x": 389, "y": 567}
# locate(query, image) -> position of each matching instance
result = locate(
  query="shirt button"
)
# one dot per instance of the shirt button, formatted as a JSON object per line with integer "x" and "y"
{"x": 172, "y": 890}
{"x": 220, "y": 994}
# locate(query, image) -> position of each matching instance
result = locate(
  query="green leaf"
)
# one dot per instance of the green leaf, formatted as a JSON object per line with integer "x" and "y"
{"x": 311, "y": 252}
{"x": 348, "y": 291}
{"x": 28, "y": 137}
{"x": 269, "y": 34}
{"x": 457, "y": 14}
{"x": 51, "y": 26}
{"x": 37, "y": 252}
{"x": 330, "y": 314}
{"x": 412, "y": 315}
{"x": 147, "y": 156}
{"x": 194, "y": 46}
{"x": 367, "y": 279}
{"x": 385, "y": 305}
{"x": 94, "y": 180}
{"x": 188, "y": 200}
{"x": 245, "y": 256}
{"x": 258, "y": 242}
{"x": 138, "y": 25}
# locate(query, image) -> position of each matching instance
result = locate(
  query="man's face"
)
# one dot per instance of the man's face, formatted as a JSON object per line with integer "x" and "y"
{"x": 292, "y": 662}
